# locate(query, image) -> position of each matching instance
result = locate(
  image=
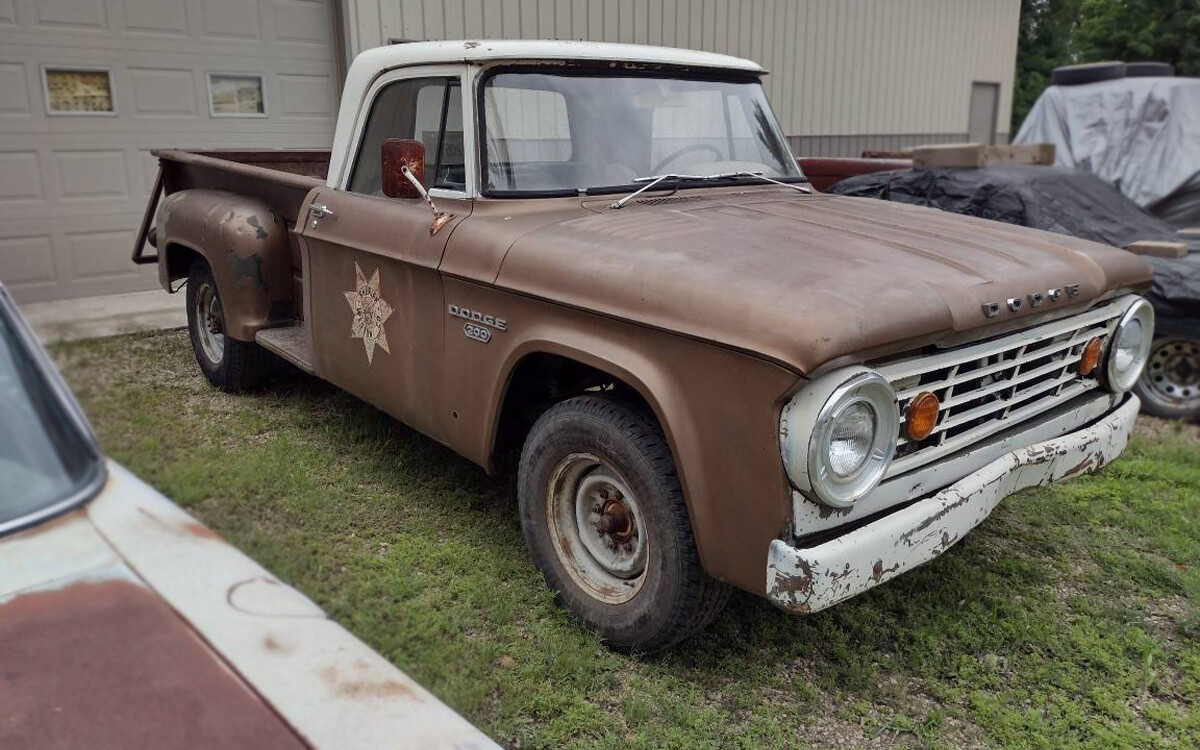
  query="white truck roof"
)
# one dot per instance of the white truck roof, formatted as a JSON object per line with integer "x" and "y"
{"x": 369, "y": 64}
{"x": 374, "y": 60}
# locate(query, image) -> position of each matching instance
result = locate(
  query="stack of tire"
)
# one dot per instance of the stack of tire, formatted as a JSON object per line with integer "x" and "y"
{"x": 1075, "y": 75}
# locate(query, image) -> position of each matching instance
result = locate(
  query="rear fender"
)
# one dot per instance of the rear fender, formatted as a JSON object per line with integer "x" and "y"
{"x": 245, "y": 244}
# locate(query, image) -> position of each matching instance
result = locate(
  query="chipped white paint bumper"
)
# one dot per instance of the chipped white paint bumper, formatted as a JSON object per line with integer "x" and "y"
{"x": 813, "y": 578}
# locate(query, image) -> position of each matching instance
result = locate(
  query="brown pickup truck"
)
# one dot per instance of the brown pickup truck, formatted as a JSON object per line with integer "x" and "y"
{"x": 602, "y": 263}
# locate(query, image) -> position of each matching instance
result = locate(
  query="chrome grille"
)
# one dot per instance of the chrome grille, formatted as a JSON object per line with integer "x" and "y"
{"x": 990, "y": 386}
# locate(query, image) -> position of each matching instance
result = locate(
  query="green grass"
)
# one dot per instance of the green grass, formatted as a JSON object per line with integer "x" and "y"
{"x": 1068, "y": 620}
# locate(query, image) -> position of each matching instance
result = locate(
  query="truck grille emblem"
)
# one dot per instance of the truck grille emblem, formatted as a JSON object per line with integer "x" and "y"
{"x": 1016, "y": 304}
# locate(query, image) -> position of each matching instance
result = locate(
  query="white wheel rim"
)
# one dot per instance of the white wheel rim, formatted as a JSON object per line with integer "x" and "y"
{"x": 210, "y": 323}
{"x": 597, "y": 528}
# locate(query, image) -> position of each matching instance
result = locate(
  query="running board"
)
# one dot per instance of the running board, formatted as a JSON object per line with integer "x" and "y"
{"x": 291, "y": 343}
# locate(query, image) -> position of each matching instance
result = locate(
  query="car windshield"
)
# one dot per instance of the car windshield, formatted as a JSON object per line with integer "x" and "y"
{"x": 572, "y": 132}
{"x": 47, "y": 459}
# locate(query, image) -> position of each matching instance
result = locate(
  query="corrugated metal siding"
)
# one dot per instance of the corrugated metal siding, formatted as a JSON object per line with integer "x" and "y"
{"x": 865, "y": 71}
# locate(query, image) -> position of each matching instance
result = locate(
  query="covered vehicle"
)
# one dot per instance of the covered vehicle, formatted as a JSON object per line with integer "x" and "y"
{"x": 1140, "y": 134}
{"x": 127, "y": 624}
{"x": 1079, "y": 204}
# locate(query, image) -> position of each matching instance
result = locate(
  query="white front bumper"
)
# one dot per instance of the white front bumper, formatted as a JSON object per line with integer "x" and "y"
{"x": 813, "y": 578}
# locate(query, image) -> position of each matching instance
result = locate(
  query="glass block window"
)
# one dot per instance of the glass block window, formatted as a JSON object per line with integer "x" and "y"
{"x": 236, "y": 95}
{"x": 78, "y": 91}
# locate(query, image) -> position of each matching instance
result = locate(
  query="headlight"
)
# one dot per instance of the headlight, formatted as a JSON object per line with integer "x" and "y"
{"x": 838, "y": 435}
{"x": 1130, "y": 347}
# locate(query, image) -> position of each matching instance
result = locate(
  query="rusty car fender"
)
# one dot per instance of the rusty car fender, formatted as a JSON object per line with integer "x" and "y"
{"x": 245, "y": 244}
{"x": 737, "y": 494}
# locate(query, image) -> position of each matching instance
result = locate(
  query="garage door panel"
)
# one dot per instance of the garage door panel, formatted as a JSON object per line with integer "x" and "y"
{"x": 86, "y": 14}
{"x": 301, "y": 21}
{"x": 159, "y": 92}
{"x": 306, "y": 95}
{"x": 20, "y": 177}
{"x": 14, "y": 92}
{"x": 100, "y": 255}
{"x": 92, "y": 174}
{"x": 237, "y": 18}
{"x": 27, "y": 263}
{"x": 73, "y": 187}
{"x": 155, "y": 16}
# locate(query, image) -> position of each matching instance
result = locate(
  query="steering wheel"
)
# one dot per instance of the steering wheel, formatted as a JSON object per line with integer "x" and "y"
{"x": 657, "y": 168}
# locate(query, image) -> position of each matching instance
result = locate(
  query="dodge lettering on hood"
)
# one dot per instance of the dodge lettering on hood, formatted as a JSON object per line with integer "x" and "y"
{"x": 600, "y": 266}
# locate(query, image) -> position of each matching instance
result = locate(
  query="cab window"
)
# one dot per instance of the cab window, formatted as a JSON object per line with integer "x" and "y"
{"x": 425, "y": 109}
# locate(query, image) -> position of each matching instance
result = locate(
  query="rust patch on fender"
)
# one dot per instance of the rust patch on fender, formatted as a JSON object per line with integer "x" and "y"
{"x": 248, "y": 269}
{"x": 260, "y": 232}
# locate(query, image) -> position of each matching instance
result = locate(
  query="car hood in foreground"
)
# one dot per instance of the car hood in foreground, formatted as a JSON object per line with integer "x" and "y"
{"x": 806, "y": 279}
{"x": 139, "y": 627}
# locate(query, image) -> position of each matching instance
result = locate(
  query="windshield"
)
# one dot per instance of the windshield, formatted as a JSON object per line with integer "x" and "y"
{"x": 47, "y": 460}
{"x": 573, "y": 132}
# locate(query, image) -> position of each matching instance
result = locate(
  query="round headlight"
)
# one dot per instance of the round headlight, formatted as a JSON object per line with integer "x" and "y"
{"x": 838, "y": 435}
{"x": 851, "y": 433}
{"x": 1130, "y": 346}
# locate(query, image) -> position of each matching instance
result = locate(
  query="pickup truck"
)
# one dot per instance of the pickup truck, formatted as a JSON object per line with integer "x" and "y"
{"x": 600, "y": 264}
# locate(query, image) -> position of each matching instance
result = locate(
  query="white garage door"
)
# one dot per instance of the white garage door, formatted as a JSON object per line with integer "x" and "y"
{"x": 89, "y": 87}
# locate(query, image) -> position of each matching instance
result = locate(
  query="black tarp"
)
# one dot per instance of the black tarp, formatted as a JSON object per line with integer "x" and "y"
{"x": 1051, "y": 198}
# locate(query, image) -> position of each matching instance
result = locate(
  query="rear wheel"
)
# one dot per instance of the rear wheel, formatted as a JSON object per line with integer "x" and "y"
{"x": 606, "y": 523}
{"x": 1170, "y": 385}
{"x": 227, "y": 363}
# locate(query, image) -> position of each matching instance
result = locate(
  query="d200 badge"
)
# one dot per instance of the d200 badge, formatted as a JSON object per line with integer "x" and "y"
{"x": 370, "y": 312}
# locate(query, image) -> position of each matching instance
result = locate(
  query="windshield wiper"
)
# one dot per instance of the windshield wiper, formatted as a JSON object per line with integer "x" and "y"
{"x": 655, "y": 179}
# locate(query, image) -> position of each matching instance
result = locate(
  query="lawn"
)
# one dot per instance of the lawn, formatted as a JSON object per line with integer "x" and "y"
{"x": 1069, "y": 619}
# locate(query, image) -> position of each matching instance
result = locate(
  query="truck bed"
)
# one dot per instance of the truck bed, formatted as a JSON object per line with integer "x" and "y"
{"x": 281, "y": 178}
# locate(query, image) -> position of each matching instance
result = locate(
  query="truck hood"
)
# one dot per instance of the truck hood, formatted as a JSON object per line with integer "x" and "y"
{"x": 806, "y": 279}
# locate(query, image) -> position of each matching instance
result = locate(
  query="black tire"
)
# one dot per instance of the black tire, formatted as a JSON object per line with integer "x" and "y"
{"x": 229, "y": 364}
{"x": 1074, "y": 75}
{"x": 1170, "y": 385}
{"x": 1149, "y": 70}
{"x": 674, "y": 598}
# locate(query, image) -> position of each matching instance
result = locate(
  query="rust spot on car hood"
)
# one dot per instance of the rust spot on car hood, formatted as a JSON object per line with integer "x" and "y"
{"x": 109, "y": 664}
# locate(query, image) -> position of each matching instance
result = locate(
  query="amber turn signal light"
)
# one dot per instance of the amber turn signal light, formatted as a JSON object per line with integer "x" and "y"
{"x": 1091, "y": 356}
{"x": 921, "y": 416}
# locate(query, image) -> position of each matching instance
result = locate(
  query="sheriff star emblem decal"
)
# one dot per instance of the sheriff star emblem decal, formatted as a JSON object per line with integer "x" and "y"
{"x": 370, "y": 313}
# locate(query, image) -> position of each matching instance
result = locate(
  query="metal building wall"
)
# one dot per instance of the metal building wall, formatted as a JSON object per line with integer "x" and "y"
{"x": 846, "y": 75}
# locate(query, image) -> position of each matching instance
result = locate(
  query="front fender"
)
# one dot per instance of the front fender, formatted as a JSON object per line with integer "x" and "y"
{"x": 718, "y": 409}
{"x": 245, "y": 244}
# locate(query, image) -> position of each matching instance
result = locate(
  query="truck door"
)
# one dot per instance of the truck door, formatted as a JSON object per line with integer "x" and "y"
{"x": 375, "y": 300}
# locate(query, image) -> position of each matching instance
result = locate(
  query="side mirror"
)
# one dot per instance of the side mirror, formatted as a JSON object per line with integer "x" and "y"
{"x": 397, "y": 153}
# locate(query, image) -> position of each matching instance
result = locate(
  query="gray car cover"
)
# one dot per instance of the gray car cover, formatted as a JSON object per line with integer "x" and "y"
{"x": 1140, "y": 134}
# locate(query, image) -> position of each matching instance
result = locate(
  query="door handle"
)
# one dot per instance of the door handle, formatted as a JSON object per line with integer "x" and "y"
{"x": 319, "y": 211}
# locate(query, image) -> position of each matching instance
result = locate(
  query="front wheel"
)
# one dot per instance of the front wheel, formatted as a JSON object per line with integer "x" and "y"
{"x": 227, "y": 363}
{"x": 606, "y": 523}
{"x": 1170, "y": 385}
